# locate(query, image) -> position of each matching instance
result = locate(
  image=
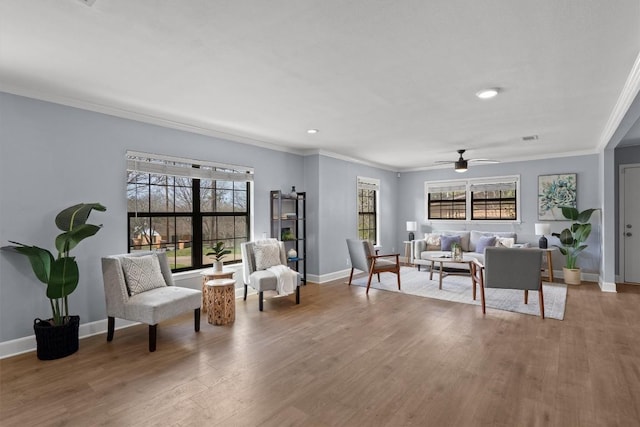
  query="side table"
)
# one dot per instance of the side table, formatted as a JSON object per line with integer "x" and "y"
{"x": 220, "y": 299}
{"x": 208, "y": 275}
{"x": 548, "y": 253}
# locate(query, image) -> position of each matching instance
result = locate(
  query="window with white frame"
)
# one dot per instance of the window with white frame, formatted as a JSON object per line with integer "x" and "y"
{"x": 185, "y": 206}
{"x": 475, "y": 199}
{"x": 368, "y": 189}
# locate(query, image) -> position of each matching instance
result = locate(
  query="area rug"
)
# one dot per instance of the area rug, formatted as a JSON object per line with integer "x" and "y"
{"x": 459, "y": 289}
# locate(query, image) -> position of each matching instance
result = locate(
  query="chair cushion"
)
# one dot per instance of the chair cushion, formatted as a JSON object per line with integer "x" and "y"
{"x": 142, "y": 273}
{"x": 447, "y": 241}
{"x": 266, "y": 256}
{"x": 484, "y": 242}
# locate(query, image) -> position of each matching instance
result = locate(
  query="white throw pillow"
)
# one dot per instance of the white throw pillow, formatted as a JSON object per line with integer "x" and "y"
{"x": 266, "y": 256}
{"x": 142, "y": 273}
{"x": 433, "y": 242}
{"x": 505, "y": 242}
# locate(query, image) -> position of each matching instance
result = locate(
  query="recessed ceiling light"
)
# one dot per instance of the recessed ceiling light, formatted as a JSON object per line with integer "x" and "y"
{"x": 487, "y": 93}
{"x": 312, "y": 131}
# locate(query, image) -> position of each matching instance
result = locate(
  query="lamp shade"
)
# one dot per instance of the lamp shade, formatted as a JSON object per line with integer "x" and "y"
{"x": 542, "y": 229}
{"x": 412, "y": 225}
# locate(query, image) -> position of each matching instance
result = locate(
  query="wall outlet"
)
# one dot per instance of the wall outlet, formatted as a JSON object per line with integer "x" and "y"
{"x": 348, "y": 262}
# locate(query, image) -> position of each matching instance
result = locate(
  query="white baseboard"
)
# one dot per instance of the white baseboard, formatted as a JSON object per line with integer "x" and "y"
{"x": 607, "y": 286}
{"x": 324, "y": 278}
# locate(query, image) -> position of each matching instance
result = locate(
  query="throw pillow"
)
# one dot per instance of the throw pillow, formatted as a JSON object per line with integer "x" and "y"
{"x": 447, "y": 241}
{"x": 433, "y": 242}
{"x": 266, "y": 256}
{"x": 483, "y": 242}
{"x": 505, "y": 242}
{"x": 142, "y": 273}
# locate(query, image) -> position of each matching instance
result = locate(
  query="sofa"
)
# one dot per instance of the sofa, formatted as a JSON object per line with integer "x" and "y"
{"x": 472, "y": 243}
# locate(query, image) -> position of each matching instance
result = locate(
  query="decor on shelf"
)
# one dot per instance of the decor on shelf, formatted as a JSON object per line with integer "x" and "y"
{"x": 411, "y": 227}
{"x": 218, "y": 252}
{"x": 541, "y": 230}
{"x": 293, "y": 193}
{"x": 58, "y": 337}
{"x": 572, "y": 239}
{"x": 555, "y": 191}
{"x": 292, "y": 254}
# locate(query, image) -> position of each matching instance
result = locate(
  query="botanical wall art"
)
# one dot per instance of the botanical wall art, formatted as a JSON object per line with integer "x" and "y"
{"x": 555, "y": 191}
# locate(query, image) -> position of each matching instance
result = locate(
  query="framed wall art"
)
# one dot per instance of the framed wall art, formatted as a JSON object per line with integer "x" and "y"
{"x": 555, "y": 191}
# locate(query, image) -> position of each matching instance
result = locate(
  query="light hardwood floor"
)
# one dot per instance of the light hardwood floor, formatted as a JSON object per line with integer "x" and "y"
{"x": 342, "y": 358}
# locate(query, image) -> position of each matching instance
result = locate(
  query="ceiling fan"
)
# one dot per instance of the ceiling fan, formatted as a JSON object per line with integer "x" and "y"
{"x": 461, "y": 165}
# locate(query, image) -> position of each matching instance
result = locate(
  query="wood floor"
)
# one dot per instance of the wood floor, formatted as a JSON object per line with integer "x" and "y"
{"x": 342, "y": 358}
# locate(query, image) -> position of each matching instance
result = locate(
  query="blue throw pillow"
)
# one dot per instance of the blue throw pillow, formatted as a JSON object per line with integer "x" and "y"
{"x": 447, "y": 241}
{"x": 484, "y": 242}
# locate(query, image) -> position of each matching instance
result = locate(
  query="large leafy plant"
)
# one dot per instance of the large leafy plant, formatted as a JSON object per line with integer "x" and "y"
{"x": 61, "y": 273}
{"x": 572, "y": 239}
{"x": 219, "y": 251}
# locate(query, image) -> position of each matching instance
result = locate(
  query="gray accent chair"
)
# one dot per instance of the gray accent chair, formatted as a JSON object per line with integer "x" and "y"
{"x": 509, "y": 268}
{"x": 262, "y": 280}
{"x": 364, "y": 257}
{"x": 150, "y": 307}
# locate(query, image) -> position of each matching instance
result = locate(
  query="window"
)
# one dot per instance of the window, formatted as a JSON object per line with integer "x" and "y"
{"x": 185, "y": 206}
{"x": 485, "y": 199}
{"x": 368, "y": 208}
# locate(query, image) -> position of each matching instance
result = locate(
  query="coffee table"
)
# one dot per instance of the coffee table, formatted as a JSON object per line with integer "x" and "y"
{"x": 441, "y": 260}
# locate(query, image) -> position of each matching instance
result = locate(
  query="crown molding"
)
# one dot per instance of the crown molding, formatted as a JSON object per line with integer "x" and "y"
{"x": 124, "y": 113}
{"x": 337, "y": 156}
{"x": 629, "y": 92}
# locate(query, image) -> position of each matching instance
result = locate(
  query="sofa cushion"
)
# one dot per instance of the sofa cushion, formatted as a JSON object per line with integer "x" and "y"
{"x": 484, "y": 242}
{"x": 476, "y": 235}
{"x": 447, "y": 241}
{"x": 433, "y": 241}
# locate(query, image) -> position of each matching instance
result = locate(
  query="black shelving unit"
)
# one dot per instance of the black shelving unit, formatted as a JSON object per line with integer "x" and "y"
{"x": 288, "y": 224}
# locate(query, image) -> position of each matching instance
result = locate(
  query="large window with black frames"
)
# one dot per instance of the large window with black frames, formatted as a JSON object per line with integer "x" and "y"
{"x": 367, "y": 200}
{"x": 474, "y": 199}
{"x": 185, "y": 206}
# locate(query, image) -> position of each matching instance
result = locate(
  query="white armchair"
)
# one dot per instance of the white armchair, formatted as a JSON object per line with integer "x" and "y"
{"x": 139, "y": 287}
{"x": 259, "y": 278}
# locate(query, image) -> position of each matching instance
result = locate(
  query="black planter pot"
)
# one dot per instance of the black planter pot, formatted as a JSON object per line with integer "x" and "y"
{"x": 55, "y": 342}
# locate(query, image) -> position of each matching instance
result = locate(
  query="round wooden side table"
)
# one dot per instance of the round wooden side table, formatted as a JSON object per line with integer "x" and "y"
{"x": 220, "y": 300}
{"x": 209, "y": 274}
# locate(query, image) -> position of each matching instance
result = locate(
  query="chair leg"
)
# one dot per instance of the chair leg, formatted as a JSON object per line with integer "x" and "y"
{"x": 398, "y": 274}
{"x": 418, "y": 267}
{"x": 245, "y": 292}
{"x": 111, "y": 324}
{"x": 541, "y": 298}
{"x": 484, "y": 308}
{"x": 196, "y": 319}
{"x": 297, "y": 294}
{"x": 260, "y": 300}
{"x": 369, "y": 281}
{"x": 526, "y": 296}
{"x": 351, "y": 276}
{"x": 152, "y": 337}
{"x": 378, "y": 277}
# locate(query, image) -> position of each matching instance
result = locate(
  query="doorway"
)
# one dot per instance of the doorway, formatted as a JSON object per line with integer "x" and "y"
{"x": 630, "y": 223}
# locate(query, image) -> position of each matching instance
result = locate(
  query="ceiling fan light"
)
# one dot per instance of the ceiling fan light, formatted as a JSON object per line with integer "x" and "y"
{"x": 460, "y": 166}
{"x": 488, "y": 93}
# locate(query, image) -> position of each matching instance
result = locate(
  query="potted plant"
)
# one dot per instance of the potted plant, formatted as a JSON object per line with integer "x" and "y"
{"x": 572, "y": 241}
{"x": 218, "y": 252}
{"x": 58, "y": 337}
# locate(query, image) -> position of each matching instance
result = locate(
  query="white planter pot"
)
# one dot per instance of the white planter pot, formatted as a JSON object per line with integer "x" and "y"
{"x": 217, "y": 266}
{"x": 571, "y": 276}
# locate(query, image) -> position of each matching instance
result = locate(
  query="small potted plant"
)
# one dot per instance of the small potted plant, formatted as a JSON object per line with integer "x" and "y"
{"x": 572, "y": 241}
{"x": 58, "y": 337}
{"x": 218, "y": 252}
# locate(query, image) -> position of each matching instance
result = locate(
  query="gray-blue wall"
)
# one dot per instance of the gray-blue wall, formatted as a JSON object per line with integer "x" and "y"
{"x": 412, "y": 207}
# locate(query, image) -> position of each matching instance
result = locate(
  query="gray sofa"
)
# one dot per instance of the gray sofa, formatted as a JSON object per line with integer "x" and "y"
{"x": 430, "y": 245}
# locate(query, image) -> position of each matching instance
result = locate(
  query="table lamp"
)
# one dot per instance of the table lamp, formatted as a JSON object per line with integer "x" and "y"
{"x": 541, "y": 230}
{"x": 411, "y": 227}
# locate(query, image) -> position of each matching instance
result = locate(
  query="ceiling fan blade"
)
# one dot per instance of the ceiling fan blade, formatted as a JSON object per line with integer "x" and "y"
{"x": 483, "y": 161}
{"x": 444, "y": 162}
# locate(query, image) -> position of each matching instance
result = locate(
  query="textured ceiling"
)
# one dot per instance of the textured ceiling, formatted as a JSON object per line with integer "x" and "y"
{"x": 391, "y": 83}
